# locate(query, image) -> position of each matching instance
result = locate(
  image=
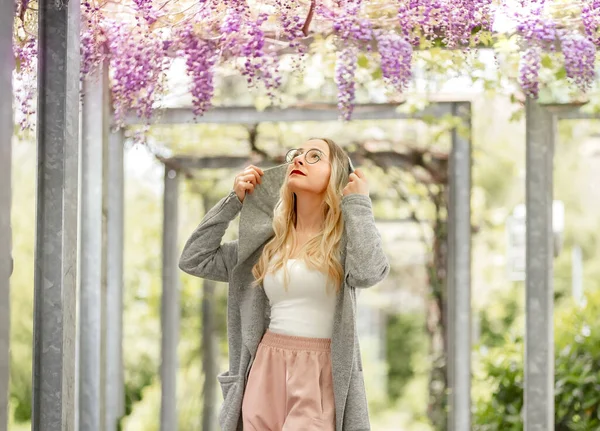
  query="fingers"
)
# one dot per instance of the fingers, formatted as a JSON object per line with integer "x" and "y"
{"x": 248, "y": 179}
{"x": 251, "y": 177}
{"x": 358, "y": 173}
{"x": 357, "y": 183}
{"x": 249, "y": 186}
{"x": 256, "y": 171}
{"x": 246, "y": 182}
{"x": 251, "y": 173}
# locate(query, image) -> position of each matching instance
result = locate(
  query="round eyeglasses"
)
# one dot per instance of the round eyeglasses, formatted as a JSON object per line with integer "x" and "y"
{"x": 312, "y": 156}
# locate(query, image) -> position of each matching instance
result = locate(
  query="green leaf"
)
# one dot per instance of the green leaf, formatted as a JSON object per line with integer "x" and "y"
{"x": 547, "y": 61}
{"x": 561, "y": 73}
{"x": 363, "y": 61}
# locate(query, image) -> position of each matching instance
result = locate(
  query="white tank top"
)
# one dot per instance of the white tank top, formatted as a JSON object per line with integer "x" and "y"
{"x": 306, "y": 308}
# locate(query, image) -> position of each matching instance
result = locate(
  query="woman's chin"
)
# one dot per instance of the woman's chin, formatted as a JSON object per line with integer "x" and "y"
{"x": 293, "y": 185}
{"x": 302, "y": 190}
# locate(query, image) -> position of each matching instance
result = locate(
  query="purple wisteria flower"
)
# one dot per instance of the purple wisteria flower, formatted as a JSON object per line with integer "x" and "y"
{"x": 580, "y": 60}
{"x": 396, "y": 59}
{"x": 250, "y": 36}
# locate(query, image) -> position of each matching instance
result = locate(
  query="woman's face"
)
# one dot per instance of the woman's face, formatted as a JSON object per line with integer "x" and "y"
{"x": 310, "y": 170}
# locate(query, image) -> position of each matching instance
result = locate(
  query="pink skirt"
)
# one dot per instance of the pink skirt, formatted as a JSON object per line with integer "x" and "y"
{"x": 290, "y": 386}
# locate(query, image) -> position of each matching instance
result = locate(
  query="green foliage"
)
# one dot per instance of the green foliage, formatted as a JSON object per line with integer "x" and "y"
{"x": 405, "y": 338}
{"x": 577, "y": 374}
{"x": 145, "y": 414}
{"x": 21, "y": 299}
{"x": 498, "y": 317}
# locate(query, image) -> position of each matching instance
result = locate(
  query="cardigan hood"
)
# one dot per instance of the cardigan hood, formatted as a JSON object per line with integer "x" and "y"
{"x": 256, "y": 216}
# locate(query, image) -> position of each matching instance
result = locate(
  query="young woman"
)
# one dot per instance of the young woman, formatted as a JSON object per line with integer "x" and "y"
{"x": 307, "y": 241}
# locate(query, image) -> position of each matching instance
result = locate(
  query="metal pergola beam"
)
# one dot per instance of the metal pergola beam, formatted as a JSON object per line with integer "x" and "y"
{"x": 6, "y": 129}
{"x": 310, "y": 112}
{"x": 458, "y": 313}
{"x": 575, "y": 114}
{"x": 170, "y": 306}
{"x": 93, "y": 253}
{"x": 115, "y": 384}
{"x": 321, "y": 112}
{"x": 385, "y": 159}
{"x": 54, "y": 328}
{"x": 541, "y": 137}
{"x": 210, "y": 344}
{"x": 539, "y": 326}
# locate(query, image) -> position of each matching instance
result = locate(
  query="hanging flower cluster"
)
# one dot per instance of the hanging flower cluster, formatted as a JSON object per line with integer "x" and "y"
{"x": 140, "y": 38}
{"x": 590, "y": 17}
{"x": 200, "y": 57}
{"x": 537, "y": 32}
{"x": 351, "y": 31}
{"x": 396, "y": 59}
{"x": 137, "y": 69}
{"x": 541, "y": 33}
{"x": 94, "y": 48}
{"x": 25, "y": 51}
{"x": 146, "y": 11}
{"x": 25, "y": 85}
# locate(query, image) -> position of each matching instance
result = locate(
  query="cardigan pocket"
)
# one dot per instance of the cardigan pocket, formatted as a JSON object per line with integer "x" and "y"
{"x": 356, "y": 413}
{"x": 227, "y": 381}
{"x": 228, "y": 388}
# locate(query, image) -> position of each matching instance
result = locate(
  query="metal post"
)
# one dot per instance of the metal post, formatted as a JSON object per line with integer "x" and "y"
{"x": 6, "y": 128}
{"x": 209, "y": 346}
{"x": 539, "y": 307}
{"x": 56, "y": 219}
{"x": 209, "y": 355}
{"x": 170, "y": 304}
{"x": 459, "y": 276}
{"x": 92, "y": 252}
{"x": 115, "y": 400}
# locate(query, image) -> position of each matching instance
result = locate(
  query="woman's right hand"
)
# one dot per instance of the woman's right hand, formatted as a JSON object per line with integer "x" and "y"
{"x": 246, "y": 181}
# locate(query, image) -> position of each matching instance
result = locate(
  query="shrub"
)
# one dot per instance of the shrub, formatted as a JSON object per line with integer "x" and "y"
{"x": 577, "y": 374}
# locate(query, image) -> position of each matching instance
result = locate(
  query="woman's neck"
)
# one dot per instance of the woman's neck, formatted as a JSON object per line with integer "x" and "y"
{"x": 309, "y": 213}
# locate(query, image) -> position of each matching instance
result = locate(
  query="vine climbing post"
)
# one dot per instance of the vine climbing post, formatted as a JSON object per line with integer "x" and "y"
{"x": 539, "y": 290}
{"x": 6, "y": 128}
{"x": 54, "y": 329}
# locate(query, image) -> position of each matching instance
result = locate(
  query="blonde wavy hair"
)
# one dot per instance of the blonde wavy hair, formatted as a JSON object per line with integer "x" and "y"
{"x": 322, "y": 252}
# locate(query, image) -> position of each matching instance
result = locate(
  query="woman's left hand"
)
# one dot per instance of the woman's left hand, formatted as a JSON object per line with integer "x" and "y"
{"x": 357, "y": 184}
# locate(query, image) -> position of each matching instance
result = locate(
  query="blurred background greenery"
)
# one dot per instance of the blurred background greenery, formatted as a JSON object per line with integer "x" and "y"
{"x": 398, "y": 378}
